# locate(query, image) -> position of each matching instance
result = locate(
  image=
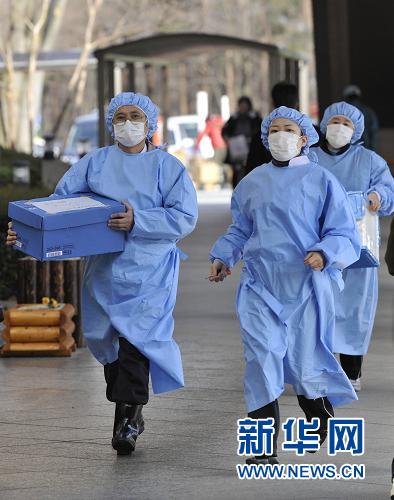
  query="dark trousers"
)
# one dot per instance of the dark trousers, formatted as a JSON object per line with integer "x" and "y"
{"x": 351, "y": 365}
{"x": 128, "y": 377}
{"x": 320, "y": 408}
{"x": 238, "y": 173}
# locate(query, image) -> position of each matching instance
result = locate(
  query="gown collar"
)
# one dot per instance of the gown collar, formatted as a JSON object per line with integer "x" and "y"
{"x": 340, "y": 151}
{"x": 148, "y": 148}
{"x": 298, "y": 160}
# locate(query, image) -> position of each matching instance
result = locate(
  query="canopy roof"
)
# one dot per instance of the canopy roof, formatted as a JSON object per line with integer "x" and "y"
{"x": 177, "y": 46}
{"x": 168, "y": 49}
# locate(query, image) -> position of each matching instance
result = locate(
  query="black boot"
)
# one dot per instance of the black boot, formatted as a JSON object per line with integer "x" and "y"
{"x": 118, "y": 417}
{"x": 111, "y": 371}
{"x": 270, "y": 410}
{"x": 352, "y": 367}
{"x": 320, "y": 408}
{"x": 128, "y": 427}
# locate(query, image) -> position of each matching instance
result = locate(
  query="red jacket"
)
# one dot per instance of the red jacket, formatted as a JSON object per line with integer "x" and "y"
{"x": 213, "y": 129}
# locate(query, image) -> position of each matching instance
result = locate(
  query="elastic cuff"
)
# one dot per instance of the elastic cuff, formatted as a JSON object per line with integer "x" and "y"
{"x": 212, "y": 259}
{"x": 376, "y": 192}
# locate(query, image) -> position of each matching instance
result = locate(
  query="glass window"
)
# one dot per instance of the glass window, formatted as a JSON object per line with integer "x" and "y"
{"x": 170, "y": 137}
{"x": 188, "y": 130}
{"x": 85, "y": 132}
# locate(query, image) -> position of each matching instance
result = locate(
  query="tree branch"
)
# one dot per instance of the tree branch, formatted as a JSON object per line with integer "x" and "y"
{"x": 93, "y": 8}
{"x": 34, "y": 49}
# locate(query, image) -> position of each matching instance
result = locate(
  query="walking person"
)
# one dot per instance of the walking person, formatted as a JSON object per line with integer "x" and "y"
{"x": 282, "y": 94}
{"x": 238, "y": 132}
{"x": 353, "y": 95}
{"x": 294, "y": 228}
{"x": 358, "y": 169}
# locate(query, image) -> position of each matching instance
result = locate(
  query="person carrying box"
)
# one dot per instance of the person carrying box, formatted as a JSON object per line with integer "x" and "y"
{"x": 128, "y": 297}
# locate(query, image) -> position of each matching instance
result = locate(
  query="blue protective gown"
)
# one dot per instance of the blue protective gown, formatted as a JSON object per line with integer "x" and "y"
{"x": 285, "y": 309}
{"x": 358, "y": 169}
{"x": 133, "y": 293}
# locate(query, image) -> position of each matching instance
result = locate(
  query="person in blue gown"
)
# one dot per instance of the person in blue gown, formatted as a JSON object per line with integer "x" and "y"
{"x": 294, "y": 229}
{"x": 358, "y": 169}
{"x": 128, "y": 297}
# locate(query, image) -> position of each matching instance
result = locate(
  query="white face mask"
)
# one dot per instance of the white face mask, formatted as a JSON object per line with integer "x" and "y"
{"x": 129, "y": 133}
{"x": 338, "y": 135}
{"x": 283, "y": 145}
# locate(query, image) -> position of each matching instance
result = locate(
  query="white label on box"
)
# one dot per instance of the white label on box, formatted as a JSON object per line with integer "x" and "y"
{"x": 54, "y": 254}
{"x": 67, "y": 204}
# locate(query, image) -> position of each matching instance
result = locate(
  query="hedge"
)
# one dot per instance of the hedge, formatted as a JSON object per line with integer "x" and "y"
{"x": 8, "y": 256}
{"x": 8, "y": 157}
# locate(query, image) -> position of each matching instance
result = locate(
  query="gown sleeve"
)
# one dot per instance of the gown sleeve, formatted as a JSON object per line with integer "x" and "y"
{"x": 382, "y": 182}
{"x": 340, "y": 240}
{"x": 75, "y": 179}
{"x": 229, "y": 247}
{"x": 178, "y": 215}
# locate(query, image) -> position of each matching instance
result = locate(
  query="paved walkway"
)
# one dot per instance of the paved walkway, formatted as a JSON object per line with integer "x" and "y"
{"x": 55, "y": 422}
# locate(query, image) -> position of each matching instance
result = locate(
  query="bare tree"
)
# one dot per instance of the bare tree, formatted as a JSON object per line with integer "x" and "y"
{"x": 29, "y": 26}
{"x": 36, "y": 29}
{"x": 77, "y": 83}
{"x": 32, "y": 26}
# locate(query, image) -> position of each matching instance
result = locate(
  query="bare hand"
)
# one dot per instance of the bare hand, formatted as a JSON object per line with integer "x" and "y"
{"x": 122, "y": 221}
{"x": 315, "y": 260}
{"x": 11, "y": 235}
{"x": 218, "y": 271}
{"x": 374, "y": 202}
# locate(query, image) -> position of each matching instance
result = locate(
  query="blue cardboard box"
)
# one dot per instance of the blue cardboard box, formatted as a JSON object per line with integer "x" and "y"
{"x": 368, "y": 227}
{"x": 63, "y": 227}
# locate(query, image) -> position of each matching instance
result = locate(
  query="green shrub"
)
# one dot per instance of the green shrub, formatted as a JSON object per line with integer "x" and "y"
{"x": 8, "y": 256}
{"x": 7, "y": 159}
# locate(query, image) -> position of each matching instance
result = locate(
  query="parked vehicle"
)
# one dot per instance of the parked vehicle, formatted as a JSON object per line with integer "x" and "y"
{"x": 82, "y": 137}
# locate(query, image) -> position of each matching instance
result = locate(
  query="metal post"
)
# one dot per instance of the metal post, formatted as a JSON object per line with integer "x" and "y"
{"x": 100, "y": 99}
{"x": 105, "y": 92}
{"x": 274, "y": 67}
{"x": 129, "y": 78}
{"x": 164, "y": 99}
{"x": 150, "y": 80}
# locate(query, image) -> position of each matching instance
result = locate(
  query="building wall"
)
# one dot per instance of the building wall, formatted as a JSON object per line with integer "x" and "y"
{"x": 354, "y": 43}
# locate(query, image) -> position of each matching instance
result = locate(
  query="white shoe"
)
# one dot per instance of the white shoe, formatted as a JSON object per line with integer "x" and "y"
{"x": 356, "y": 384}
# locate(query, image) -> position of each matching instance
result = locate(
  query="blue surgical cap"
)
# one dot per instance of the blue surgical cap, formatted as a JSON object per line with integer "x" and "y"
{"x": 344, "y": 109}
{"x": 134, "y": 99}
{"x": 303, "y": 121}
